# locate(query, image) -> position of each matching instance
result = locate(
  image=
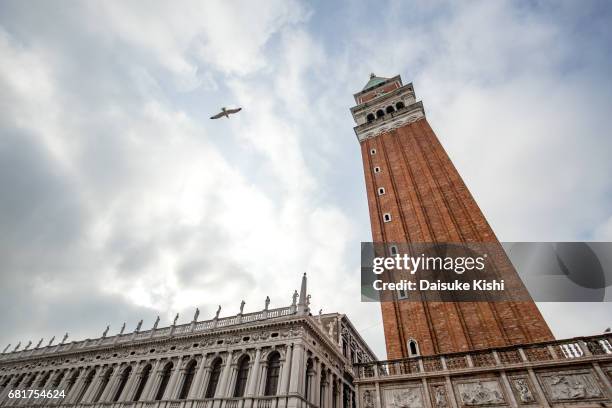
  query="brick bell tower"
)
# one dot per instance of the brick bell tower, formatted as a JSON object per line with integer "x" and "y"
{"x": 416, "y": 195}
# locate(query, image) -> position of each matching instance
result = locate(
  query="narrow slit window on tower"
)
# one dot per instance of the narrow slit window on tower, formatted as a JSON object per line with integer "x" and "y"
{"x": 376, "y": 169}
{"x": 393, "y": 250}
{"x": 373, "y": 151}
{"x": 381, "y": 190}
{"x": 386, "y": 217}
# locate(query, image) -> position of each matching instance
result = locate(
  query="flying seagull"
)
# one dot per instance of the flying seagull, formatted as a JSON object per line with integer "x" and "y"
{"x": 225, "y": 112}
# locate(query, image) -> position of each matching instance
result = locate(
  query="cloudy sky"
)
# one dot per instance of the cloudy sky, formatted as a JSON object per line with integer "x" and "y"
{"x": 120, "y": 200}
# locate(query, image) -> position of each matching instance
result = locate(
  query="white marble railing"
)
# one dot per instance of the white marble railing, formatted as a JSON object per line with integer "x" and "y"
{"x": 187, "y": 328}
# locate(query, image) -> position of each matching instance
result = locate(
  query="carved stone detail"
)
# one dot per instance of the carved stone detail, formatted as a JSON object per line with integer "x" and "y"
{"x": 439, "y": 396}
{"x": 480, "y": 392}
{"x": 368, "y": 399}
{"x": 409, "y": 397}
{"x": 522, "y": 388}
{"x": 571, "y": 386}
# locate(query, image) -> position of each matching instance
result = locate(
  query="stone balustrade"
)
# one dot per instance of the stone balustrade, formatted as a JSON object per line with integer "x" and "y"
{"x": 575, "y": 372}
{"x": 199, "y": 327}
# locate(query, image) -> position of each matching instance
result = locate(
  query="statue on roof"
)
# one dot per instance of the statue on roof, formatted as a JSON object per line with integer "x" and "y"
{"x": 295, "y": 296}
{"x": 175, "y": 319}
{"x": 218, "y": 311}
{"x": 195, "y": 316}
{"x": 51, "y": 341}
{"x": 242, "y": 306}
{"x": 139, "y": 325}
{"x": 65, "y": 338}
{"x": 105, "y": 331}
{"x": 267, "y": 302}
{"x": 122, "y": 328}
{"x": 156, "y": 323}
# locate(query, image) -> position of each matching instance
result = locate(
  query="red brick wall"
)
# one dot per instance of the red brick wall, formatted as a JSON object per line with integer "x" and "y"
{"x": 429, "y": 202}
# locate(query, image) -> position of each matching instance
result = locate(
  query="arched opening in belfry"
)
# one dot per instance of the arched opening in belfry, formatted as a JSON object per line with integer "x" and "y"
{"x": 370, "y": 117}
{"x": 400, "y": 105}
{"x": 390, "y": 109}
{"x": 380, "y": 113}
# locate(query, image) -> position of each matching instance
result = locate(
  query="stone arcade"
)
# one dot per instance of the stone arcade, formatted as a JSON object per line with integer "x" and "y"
{"x": 274, "y": 358}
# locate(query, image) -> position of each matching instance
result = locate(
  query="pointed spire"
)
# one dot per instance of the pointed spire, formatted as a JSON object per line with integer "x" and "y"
{"x": 303, "y": 303}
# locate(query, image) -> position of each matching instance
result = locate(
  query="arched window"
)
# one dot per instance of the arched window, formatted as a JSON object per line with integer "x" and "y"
{"x": 272, "y": 374}
{"x": 370, "y": 117}
{"x": 164, "y": 381}
{"x": 390, "y": 109}
{"x": 43, "y": 381}
{"x": 5, "y": 383}
{"x": 413, "y": 348}
{"x": 103, "y": 384}
{"x": 399, "y": 105}
{"x": 72, "y": 380}
{"x": 241, "y": 378}
{"x": 215, "y": 373}
{"x": 122, "y": 381}
{"x": 380, "y": 113}
{"x": 189, "y": 373}
{"x": 144, "y": 377}
{"x": 88, "y": 380}
{"x": 58, "y": 379}
{"x": 309, "y": 374}
{"x": 30, "y": 381}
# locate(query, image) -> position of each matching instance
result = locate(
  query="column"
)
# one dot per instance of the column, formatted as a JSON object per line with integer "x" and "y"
{"x": 76, "y": 387}
{"x": 221, "y": 388}
{"x": 127, "y": 390}
{"x": 195, "y": 391}
{"x": 147, "y": 393}
{"x": 106, "y": 394}
{"x": 285, "y": 371}
{"x": 316, "y": 396}
{"x": 62, "y": 385}
{"x": 254, "y": 374}
{"x": 170, "y": 391}
{"x": 297, "y": 368}
{"x": 130, "y": 387}
{"x": 93, "y": 386}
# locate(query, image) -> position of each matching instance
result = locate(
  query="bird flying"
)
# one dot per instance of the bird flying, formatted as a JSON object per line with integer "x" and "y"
{"x": 225, "y": 112}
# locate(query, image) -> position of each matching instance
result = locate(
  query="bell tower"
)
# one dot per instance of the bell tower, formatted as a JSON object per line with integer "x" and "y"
{"x": 416, "y": 195}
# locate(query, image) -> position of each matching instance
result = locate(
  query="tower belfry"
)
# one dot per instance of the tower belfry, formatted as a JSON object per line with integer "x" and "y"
{"x": 416, "y": 195}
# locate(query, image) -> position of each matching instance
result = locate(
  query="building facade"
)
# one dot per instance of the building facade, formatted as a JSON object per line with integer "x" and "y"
{"x": 273, "y": 358}
{"x": 416, "y": 195}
